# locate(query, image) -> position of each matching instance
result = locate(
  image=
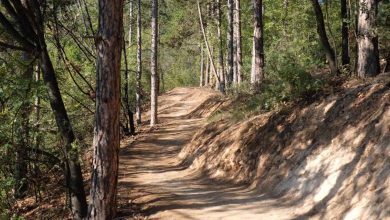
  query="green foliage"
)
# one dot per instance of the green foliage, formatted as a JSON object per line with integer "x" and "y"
{"x": 290, "y": 82}
{"x": 12, "y": 95}
{"x": 384, "y": 27}
{"x": 6, "y": 185}
{"x": 289, "y": 79}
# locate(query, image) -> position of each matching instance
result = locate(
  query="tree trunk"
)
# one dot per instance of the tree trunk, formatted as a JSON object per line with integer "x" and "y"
{"x": 230, "y": 43}
{"x": 257, "y": 72}
{"x": 129, "y": 114}
{"x": 129, "y": 128}
{"x": 238, "y": 40}
{"x": 130, "y": 22}
{"x": 367, "y": 39}
{"x": 73, "y": 175}
{"x": 212, "y": 81}
{"x": 38, "y": 137}
{"x": 161, "y": 82}
{"x": 207, "y": 73}
{"x": 221, "y": 85}
{"x": 329, "y": 52}
{"x": 107, "y": 135}
{"x": 387, "y": 67}
{"x": 208, "y": 65}
{"x": 211, "y": 60}
{"x": 139, "y": 65}
{"x": 153, "y": 65}
{"x": 202, "y": 75}
{"x": 37, "y": 108}
{"x": 344, "y": 33}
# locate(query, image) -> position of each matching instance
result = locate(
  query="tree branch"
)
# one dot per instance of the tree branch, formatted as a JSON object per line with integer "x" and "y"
{"x": 4, "y": 45}
{"x": 9, "y": 28}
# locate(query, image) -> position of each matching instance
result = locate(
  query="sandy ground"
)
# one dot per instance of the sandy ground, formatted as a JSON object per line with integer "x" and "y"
{"x": 152, "y": 178}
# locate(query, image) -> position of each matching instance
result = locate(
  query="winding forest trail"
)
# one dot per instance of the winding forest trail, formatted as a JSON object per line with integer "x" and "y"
{"x": 152, "y": 178}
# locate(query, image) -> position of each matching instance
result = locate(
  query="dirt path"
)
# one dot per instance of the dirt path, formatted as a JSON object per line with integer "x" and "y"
{"x": 152, "y": 178}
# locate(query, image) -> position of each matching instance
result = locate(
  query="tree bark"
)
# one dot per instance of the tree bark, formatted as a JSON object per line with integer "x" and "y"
{"x": 202, "y": 75}
{"x": 153, "y": 65}
{"x": 221, "y": 85}
{"x": 230, "y": 43}
{"x": 213, "y": 82}
{"x": 367, "y": 39}
{"x": 37, "y": 108}
{"x": 344, "y": 33}
{"x": 329, "y": 52}
{"x": 257, "y": 72}
{"x": 238, "y": 40}
{"x": 107, "y": 135}
{"x": 207, "y": 73}
{"x": 139, "y": 64}
{"x": 130, "y": 22}
{"x": 161, "y": 81}
{"x": 387, "y": 67}
{"x": 38, "y": 136}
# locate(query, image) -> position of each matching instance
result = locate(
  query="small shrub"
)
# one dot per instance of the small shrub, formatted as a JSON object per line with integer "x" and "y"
{"x": 289, "y": 79}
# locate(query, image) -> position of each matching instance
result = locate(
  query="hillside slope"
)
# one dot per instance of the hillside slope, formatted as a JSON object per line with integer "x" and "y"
{"x": 327, "y": 159}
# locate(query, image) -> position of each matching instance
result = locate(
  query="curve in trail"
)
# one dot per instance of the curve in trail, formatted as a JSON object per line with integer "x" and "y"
{"x": 152, "y": 178}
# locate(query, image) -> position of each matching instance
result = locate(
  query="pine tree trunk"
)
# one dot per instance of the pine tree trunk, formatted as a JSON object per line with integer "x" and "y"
{"x": 238, "y": 39}
{"x": 107, "y": 135}
{"x": 38, "y": 136}
{"x": 367, "y": 39}
{"x": 153, "y": 65}
{"x": 235, "y": 77}
{"x": 222, "y": 85}
{"x": 344, "y": 34}
{"x": 161, "y": 82}
{"x": 212, "y": 79}
{"x": 202, "y": 75}
{"x": 329, "y": 52}
{"x": 130, "y": 22}
{"x": 139, "y": 64}
{"x": 230, "y": 43}
{"x": 257, "y": 72}
{"x": 37, "y": 109}
{"x": 207, "y": 73}
{"x": 387, "y": 67}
